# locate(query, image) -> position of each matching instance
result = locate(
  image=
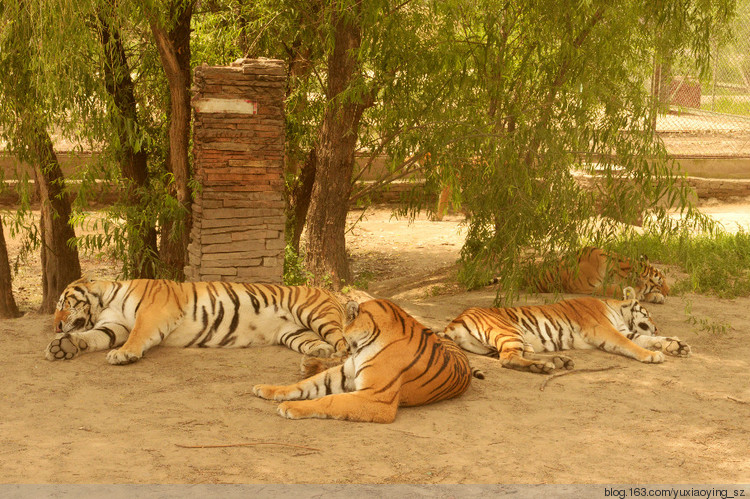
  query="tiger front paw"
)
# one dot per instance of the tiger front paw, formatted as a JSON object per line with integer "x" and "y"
{"x": 677, "y": 348}
{"x": 64, "y": 347}
{"x": 121, "y": 357}
{"x": 657, "y": 298}
{"x": 654, "y": 358}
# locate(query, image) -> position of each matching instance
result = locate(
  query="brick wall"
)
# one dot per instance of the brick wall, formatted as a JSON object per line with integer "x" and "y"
{"x": 238, "y": 148}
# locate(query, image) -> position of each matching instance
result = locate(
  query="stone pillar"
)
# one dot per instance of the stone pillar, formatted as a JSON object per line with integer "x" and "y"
{"x": 238, "y": 149}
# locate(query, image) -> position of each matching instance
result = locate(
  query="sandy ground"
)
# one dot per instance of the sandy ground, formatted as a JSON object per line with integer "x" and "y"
{"x": 84, "y": 421}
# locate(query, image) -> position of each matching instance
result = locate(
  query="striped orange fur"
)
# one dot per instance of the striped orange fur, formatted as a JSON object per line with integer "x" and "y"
{"x": 137, "y": 315}
{"x": 517, "y": 334}
{"x": 394, "y": 361}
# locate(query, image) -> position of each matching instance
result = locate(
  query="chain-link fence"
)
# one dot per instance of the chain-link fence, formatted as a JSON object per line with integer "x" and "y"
{"x": 710, "y": 116}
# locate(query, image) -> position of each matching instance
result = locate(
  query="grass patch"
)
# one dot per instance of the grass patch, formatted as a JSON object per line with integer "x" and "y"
{"x": 717, "y": 264}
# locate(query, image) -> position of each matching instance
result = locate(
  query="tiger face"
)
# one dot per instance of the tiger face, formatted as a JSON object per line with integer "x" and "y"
{"x": 73, "y": 312}
{"x": 638, "y": 319}
{"x": 653, "y": 283}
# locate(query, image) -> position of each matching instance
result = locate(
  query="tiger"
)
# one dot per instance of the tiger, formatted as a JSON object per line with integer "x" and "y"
{"x": 515, "y": 334}
{"x": 598, "y": 272}
{"x": 393, "y": 361}
{"x": 136, "y": 315}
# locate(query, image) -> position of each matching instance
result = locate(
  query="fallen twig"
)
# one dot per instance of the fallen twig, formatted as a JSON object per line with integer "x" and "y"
{"x": 557, "y": 375}
{"x": 738, "y": 400}
{"x": 245, "y": 444}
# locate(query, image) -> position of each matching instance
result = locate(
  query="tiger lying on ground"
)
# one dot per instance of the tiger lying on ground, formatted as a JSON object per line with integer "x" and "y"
{"x": 604, "y": 273}
{"x": 515, "y": 334}
{"x": 394, "y": 361}
{"x": 138, "y": 314}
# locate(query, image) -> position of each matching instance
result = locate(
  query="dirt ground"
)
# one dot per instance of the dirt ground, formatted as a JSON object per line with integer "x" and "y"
{"x": 84, "y": 421}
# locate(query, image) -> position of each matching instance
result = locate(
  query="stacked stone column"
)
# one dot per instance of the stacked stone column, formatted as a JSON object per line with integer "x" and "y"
{"x": 238, "y": 146}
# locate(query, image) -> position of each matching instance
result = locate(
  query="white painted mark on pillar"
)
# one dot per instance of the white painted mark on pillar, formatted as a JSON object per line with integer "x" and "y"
{"x": 236, "y": 106}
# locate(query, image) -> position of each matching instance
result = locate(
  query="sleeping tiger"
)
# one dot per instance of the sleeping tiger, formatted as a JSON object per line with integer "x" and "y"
{"x": 515, "y": 334}
{"x": 138, "y": 314}
{"x": 394, "y": 361}
{"x": 603, "y": 273}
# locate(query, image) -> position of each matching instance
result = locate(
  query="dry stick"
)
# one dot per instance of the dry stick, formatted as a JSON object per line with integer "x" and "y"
{"x": 738, "y": 400}
{"x": 246, "y": 444}
{"x": 557, "y": 375}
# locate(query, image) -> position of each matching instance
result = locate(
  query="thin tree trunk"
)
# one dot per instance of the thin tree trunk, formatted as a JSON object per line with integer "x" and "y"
{"x": 301, "y": 197}
{"x": 133, "y": 164}
{"x": 60, "y": 264}
{"x": 337, "y": 139}
{"x": 174, "y": 52}
{"x": 8, "y": 308}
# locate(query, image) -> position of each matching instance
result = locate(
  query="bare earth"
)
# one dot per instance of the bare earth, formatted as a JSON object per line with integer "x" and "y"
{"x": 84, "y": 421}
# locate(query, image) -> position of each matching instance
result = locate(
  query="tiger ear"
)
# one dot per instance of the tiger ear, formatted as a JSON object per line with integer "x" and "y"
{"x": 628, "y": 293}
{"x": 352, "y": 310}
{"x": 644, "y": 258}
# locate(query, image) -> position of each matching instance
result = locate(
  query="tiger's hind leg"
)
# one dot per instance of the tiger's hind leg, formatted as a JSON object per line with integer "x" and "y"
{"x": 514, "y": 354}
{"x": 337, "y": 379}
{"x": 310, "y": 366}
{"x": 353, "y": 406}
{"x": 306, "y": 342}
{"x": 560, "y": 361}
{"x": 461, "y": 336}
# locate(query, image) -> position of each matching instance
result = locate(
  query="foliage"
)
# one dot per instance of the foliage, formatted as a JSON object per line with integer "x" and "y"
{"x": 295, "y": 273}
{"x": 544, "y": 94}
{"x": 716, "y": 263}
{"x": 510, "y": 104}
{"x": 705, "y": 323}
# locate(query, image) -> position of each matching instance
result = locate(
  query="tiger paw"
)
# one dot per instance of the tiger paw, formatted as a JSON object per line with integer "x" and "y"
{"x": 562, "y": 362}
{"x": 541, "y": 367}
{"x": 292, "y": 410}
{"x": 677, "y": 348}
{"x": 654, "y": 358}
{"x": 64, "y": 347}
{"x": 656, "y": 298}
{"x": 268, "y": 392}
{"x": 121, "y": 357}
{"x": 310, "y": 366}
{"x": 321, "y": 350}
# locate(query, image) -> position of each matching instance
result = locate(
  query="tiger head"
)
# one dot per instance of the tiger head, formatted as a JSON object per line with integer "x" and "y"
{"x": 357, "y": 327}
{"x": 652, "y": 282}
{"x": 74, "y": 308}
{"x": 636, "y": 317}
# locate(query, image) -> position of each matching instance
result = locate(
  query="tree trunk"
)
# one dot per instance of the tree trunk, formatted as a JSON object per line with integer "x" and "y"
{"x": 299, "y": 68}
{"x": 133, "y": 164}
{"x": 337, "y": 139}
{"x": 8, "y": 308}
{"x": 174, "y": 52}
{"x": 300, "y": 197}
{"x": 60, "y": 265}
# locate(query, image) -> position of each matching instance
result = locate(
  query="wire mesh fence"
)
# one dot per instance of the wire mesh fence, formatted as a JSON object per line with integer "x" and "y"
{"x": 709, "y": 116}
